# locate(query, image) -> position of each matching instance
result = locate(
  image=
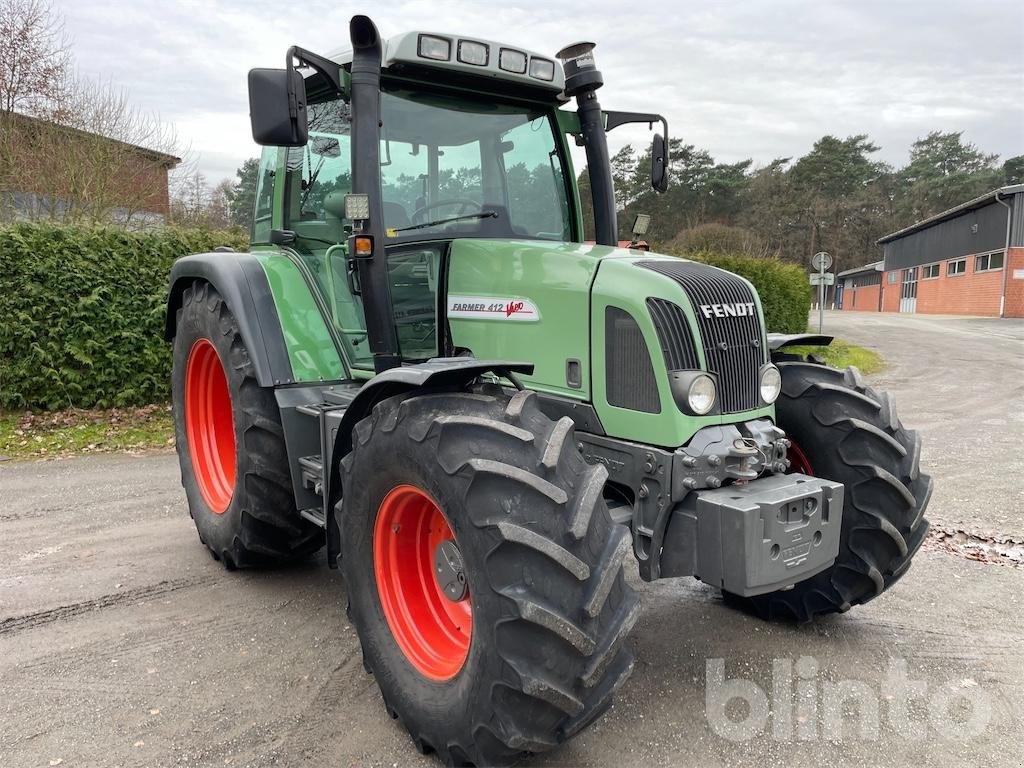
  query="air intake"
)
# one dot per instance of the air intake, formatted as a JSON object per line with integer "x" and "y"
{"x": 629, "y": 375}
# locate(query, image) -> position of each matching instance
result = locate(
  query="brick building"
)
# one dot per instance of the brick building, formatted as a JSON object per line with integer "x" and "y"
{"x": 55, "y": 171}
{"x": 968, "y": 260}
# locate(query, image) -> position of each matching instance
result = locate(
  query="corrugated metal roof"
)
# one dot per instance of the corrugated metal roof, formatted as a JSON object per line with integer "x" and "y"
{"x": 875, "y": 266}
{"x": 969, "y": 205}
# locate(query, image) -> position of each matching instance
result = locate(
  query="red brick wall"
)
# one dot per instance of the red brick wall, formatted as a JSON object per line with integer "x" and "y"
{"x": 890, "y": 292}
{"x": 1014, "y": 287}
{"x": 862, "y": 299}
{"x": 972, "y": 293}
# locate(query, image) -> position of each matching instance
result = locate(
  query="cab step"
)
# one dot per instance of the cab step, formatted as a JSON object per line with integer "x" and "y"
{"x": 315, "y": 516}
{"x": 312, "y": 468}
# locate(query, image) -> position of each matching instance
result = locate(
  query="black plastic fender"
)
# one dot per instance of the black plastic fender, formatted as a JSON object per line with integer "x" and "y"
{"x": 241, "y": 281}
{"x": 438, "y": 373}
{"x": 777, "y": 341}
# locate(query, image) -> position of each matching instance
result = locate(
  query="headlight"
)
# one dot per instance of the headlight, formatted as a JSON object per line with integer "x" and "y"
{"x": 771, "y": 383}
{"x": 701, "y": 395}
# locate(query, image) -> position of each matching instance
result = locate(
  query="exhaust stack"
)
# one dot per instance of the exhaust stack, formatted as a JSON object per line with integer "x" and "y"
{"x": 582, "y": 79}
{"x": 372, "y": 268}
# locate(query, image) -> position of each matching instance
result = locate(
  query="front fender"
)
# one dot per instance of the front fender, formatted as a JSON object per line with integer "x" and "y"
{"x": 777, "y": 341}
{"x": 439, "y": 373}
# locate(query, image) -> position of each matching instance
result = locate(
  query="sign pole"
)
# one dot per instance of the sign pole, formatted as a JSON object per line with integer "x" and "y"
{"x": 821, "y": 261}
{"x": 821, "y": 296}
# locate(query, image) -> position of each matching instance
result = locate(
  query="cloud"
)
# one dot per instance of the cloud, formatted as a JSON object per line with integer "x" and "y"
{"x": 756, "y": 79}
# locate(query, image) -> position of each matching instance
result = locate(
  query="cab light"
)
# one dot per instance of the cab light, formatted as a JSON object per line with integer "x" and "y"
{"x": 437, "y": 48}
{"x": 473, "y": 53}
{"x": 542, "y": 69}
{"x": 512, "y": 61}
{"x": 363, "y": 246}
{"x": 357, "y": 207}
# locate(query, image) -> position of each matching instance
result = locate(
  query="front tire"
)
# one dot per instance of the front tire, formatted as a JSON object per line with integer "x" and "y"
{"x": 533, "y": 650}
{"x": 843, "y": 430}
{"x": 234, "y": 463}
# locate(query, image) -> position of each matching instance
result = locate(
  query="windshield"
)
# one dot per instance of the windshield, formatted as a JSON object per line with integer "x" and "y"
{"x": 450, "y": 167}
{"x": 458, "y": 167}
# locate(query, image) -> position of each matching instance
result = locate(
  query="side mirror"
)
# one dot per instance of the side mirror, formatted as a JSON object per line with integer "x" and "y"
{"x": 277, "y": 107}
{"x": 659, "y": 164}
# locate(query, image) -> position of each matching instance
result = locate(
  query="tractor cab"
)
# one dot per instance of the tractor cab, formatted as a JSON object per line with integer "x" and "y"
{"x": 452, "y": 165}
{"x": 469, "y": 143}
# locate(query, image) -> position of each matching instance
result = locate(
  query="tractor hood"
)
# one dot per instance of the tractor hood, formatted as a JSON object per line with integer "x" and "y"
{"x": 611, "y": 326}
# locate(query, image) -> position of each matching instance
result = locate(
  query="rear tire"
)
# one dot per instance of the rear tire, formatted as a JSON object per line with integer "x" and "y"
{"x": 845, "y": 431}
{"x": 234, "y": 470}
{"x": 549, "y": 604}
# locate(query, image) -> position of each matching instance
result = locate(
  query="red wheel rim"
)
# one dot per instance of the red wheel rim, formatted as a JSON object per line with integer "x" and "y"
{"x": 210, "y": 426}
{"x": 798, "y": 461}
{"x": 430, "y": 629}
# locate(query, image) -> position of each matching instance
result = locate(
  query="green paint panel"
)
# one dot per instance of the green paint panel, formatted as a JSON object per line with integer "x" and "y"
{"x": 311, "y": 349}
{"x": 554, "y": 279}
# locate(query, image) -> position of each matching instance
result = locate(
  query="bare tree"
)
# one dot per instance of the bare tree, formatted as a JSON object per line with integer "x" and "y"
{"x": 72, "y": 148}
{"x": 35, "y": 56}
{"x": 219, "y": 209}
{"x": 190, "y": 200}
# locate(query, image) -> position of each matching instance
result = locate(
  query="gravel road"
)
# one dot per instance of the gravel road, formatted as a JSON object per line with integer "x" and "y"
{"x": 123, "y": 643}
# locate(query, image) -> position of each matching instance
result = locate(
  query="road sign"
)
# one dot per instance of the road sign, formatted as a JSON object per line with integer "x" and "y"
{"x": 821, "y": 261}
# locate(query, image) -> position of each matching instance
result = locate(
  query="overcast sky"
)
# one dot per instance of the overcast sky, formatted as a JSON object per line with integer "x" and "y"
{"x": 759, "y": 79}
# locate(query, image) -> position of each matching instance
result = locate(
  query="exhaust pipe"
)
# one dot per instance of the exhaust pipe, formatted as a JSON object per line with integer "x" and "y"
{"x": 373, "y": 272}
{"x": 582, "y": 79}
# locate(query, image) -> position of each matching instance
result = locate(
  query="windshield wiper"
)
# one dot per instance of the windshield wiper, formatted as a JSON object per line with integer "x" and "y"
{"x": 463, "y": 217}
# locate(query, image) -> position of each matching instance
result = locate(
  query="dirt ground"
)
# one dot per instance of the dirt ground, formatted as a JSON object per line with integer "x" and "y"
{"x": 123, "y": 643}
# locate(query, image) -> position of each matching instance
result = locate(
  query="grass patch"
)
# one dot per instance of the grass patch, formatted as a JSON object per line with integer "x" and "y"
{"x": 840, "y": 354}
{"x": 28, "y": 435}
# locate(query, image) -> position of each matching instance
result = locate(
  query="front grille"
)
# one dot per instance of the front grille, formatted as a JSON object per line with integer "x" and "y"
{"x": 674, "y": 335}
{"x": 629, "y": 375}
{"x": 733, "y": 346}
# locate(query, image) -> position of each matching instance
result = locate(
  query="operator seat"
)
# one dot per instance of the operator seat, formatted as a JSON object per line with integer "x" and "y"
{"x": 395, "y": 215}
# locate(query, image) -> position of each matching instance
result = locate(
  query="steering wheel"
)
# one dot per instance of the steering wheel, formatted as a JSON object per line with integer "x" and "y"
{"x": 466, "y": 205}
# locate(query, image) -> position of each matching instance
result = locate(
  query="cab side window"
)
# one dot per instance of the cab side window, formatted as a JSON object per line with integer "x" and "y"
{"x": 262, "y": 219}
{"x": 320, "y": 176}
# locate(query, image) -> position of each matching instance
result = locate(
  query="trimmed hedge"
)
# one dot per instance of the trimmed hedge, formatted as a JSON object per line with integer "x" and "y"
{"x": 82, "y": 313}
{"x": 82, "y": 310}
{"x": 783, "y": 287}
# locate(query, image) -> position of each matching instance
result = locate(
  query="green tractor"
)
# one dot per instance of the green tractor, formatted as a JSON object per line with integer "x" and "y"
{"x": 422, "y": 366}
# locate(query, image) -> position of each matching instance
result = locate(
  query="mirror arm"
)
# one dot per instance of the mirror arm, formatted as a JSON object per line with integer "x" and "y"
{"x": 326, "y": 67}
{"x": 615, "y": 119}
